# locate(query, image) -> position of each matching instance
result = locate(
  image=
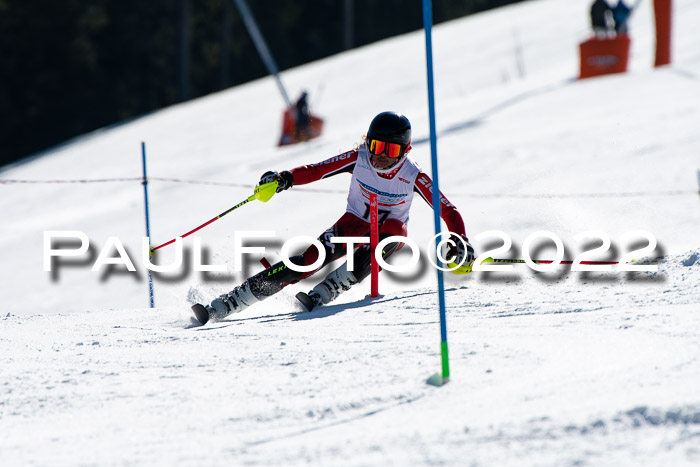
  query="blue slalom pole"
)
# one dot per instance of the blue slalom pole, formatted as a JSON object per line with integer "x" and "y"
{"x": 148, "y": 228}
{"x": 427, "y": 25}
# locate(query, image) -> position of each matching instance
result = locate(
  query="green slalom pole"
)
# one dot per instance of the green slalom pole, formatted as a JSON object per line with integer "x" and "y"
{"x": 437, "y": 379}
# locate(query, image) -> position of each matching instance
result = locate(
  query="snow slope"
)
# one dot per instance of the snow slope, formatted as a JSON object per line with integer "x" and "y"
{"x": 551, "y": 368}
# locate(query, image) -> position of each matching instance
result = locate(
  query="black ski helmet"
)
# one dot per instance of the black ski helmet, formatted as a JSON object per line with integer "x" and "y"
{"x": 390, "y": 127}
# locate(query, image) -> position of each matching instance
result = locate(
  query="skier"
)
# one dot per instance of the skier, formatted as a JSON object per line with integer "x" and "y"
{"x": 379, "y": 165}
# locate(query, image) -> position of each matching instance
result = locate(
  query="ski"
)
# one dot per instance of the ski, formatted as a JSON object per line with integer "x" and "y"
{"x": 201, "y": 313}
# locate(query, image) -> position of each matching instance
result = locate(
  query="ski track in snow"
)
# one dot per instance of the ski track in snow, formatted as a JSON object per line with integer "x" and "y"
{"x": 274, "y": 380}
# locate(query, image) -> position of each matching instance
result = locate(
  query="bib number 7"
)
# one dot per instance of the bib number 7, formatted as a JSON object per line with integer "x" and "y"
{"x": 382, "y": 214}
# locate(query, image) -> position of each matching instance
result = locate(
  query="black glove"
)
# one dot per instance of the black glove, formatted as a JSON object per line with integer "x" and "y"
{"x": 462, "y": 251}
{"x": 285, "y": 179}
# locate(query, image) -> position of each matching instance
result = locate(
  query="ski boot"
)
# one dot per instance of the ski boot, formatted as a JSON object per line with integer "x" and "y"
{"x": 235, "y": 301}
{"x": 328, "y": 290}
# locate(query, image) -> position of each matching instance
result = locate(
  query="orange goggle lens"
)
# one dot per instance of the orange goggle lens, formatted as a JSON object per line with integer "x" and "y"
{"x": 392, "y": 150}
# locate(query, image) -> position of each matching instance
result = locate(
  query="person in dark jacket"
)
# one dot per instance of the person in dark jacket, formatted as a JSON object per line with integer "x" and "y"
{"x": 602, "y": 19}
{"x": 621, "y": 14}
{"x": 303, "y": 117}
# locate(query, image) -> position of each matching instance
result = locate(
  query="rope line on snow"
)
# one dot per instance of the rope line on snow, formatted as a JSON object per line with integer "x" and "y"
{"x": 577, "y": 195}
{"x": 132, "y": 179}
{"x": 81, "y": 180}
{"x": 636, "y": 194}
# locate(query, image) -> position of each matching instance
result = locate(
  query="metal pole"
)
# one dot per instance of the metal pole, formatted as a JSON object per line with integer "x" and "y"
{"x": 226, "y": 41}
{"x": 260, "y": 44}
{"x": 348, "y": 15}
{"x": 184, "y": 72}
{"x": 427, "y": 25}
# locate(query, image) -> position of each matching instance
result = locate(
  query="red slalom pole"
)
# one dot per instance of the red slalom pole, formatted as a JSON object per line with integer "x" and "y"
{"x": 373, "y": 241}
{"x": 662, "y": 20}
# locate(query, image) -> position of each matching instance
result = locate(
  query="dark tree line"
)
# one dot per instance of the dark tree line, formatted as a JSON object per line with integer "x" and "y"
{"x": 71, "y": 66}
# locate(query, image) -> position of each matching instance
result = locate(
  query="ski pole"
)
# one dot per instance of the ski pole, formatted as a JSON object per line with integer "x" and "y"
{"x": 466, "y": 270}
{"x": 542, "y": 261}
{"x": 262, "y": 192}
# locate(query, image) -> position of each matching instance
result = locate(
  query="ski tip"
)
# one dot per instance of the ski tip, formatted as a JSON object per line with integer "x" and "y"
{"x": 201, "y": 313}
{"x": 305, "y": 301}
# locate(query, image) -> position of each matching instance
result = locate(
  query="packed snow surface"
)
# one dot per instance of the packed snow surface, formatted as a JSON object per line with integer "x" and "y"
{"x": 546, "y": 368}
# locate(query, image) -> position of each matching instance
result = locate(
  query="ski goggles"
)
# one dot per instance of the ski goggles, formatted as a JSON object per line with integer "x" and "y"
{"x": 392, "y": 150}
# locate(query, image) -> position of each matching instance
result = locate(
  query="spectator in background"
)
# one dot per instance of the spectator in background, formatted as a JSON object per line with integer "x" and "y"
{"x": 303, "y": 117}
{"x": 621, "y": 14}
{"x": 602, "y": 19}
